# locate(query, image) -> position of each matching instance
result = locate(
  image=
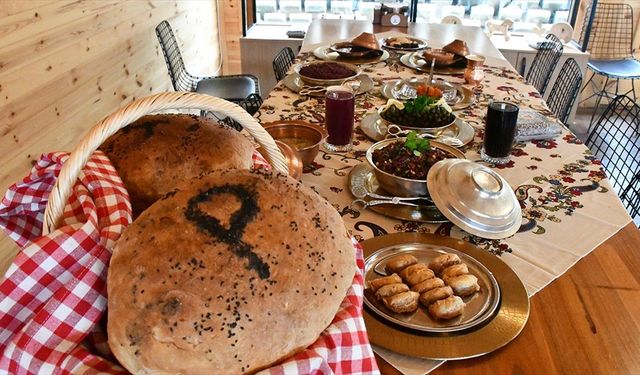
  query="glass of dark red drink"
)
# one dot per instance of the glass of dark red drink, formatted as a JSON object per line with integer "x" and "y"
{"x": 339, "y": 116}
{"x": 499, "y": 132}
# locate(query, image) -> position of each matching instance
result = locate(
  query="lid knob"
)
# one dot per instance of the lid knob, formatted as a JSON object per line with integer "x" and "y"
{"x": 486, "y": 181}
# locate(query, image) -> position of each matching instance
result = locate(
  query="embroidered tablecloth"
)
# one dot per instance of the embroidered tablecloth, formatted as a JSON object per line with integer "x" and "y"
{"x": 568, "y": 206}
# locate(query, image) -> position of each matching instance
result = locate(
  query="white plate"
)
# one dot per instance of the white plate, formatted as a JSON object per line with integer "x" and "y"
{"x": 324, "y": 53}
{"x": 375, "y": 127}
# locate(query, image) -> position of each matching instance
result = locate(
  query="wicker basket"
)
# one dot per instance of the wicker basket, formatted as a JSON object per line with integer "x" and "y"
{"x": 128, "y": 114}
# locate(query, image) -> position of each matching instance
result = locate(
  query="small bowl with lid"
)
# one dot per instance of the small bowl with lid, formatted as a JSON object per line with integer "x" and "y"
{"x": 475, "y": 198}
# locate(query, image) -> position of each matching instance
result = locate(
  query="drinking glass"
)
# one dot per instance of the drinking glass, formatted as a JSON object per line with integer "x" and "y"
{"x": 499, "y": 132}
{"x": 339, "y": 117}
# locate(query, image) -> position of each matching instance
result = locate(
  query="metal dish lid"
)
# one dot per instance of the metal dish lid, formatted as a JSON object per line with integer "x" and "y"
{"x": 475, "y": 198}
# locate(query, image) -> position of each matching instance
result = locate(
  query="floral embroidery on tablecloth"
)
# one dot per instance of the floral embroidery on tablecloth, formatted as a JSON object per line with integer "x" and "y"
{"x": 547, "y": 199}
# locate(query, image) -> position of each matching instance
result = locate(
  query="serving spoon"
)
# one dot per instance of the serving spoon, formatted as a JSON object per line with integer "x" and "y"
{"x": 395, "y": 131}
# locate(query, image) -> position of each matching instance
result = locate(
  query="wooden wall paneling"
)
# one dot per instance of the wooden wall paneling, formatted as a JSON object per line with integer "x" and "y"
{"x": 231, "y": 17}
{"x": 64, "y": 65}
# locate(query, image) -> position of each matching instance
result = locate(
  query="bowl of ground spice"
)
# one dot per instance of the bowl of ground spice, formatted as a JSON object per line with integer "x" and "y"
{"x": 326, "y": 73}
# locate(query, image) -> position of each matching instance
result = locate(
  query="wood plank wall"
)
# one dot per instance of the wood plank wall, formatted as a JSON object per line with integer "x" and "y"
{"x": 64, "y": 65}
{"x": 230, "y": 32}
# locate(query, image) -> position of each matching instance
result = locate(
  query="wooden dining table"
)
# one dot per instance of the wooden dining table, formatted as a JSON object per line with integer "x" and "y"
{"x": 587, "y": 321}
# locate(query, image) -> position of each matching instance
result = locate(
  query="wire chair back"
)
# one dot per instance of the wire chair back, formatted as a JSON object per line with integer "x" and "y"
{"x": 565, "y": 90}
{"x": 282, "y": 63}
{"x": 251, "y": 104}
{"x": 615, "y": 140}
{"x": 609, "y": 34}
{"x": 180, "y": 77}
{"x": 544, "y": 63}
{"x": 631, "y": 196}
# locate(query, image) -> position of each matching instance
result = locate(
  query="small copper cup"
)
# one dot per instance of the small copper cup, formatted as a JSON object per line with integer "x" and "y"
{"x": 474, "y": 74}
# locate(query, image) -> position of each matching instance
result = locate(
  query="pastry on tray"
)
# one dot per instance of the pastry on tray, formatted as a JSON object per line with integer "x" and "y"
{"x": 443, "y": 261}
{"x": 428, "y": 284}
{"x": 156, "y": 153}
{"x": 433, "y": 295}
{"x": 405, "y": 302}
{"x": 382, "y": 281}
{"x": 400, "y": 262}
{"x": 225, "y": 276}
{"x": 447, "y": 308}
{"x": 463, "y": 285}
{"x": 391, "y": 289}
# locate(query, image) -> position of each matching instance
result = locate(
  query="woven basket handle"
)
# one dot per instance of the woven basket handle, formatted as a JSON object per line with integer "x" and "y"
{"x": 133, "y": 111}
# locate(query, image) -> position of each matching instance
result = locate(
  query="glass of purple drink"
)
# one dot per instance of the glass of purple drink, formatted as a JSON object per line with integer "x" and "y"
{"x": 339, "y": 115}
{"x": 499, "y": 132}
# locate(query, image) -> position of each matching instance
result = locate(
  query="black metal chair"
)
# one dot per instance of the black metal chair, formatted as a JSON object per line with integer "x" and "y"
{"x": 615, "y": 140}
{"x": 234, "y": 88}
{"x": 251, "y": 104}
{"x": 631, "y": 196}
{"x": 608, "y": 36}
{"x": 565, "y": 90}
{"x": 282, "y": 62}
{"x": 547, "y": 57}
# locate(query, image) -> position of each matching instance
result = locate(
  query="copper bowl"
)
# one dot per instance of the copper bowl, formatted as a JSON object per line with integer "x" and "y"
{"x": 302, "y": 136}
{"x": 294, "y": 163}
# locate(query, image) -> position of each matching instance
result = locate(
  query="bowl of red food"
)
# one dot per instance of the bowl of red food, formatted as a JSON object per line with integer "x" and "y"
{"x": 326, "y": 73}
{"x": 401, "y": 165}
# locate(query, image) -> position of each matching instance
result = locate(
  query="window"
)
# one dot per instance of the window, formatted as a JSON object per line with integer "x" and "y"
{"x": 528, "y": 15}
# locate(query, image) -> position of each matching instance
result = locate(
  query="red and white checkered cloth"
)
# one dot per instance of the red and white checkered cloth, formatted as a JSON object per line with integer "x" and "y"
{"x": 53, "y": 296}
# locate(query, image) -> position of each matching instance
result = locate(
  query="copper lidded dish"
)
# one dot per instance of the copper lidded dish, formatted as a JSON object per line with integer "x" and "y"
{"x": 305, "y": 138}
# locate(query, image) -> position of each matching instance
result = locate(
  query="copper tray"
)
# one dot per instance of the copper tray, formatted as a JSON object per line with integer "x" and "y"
{"x": 508, "y": 322}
